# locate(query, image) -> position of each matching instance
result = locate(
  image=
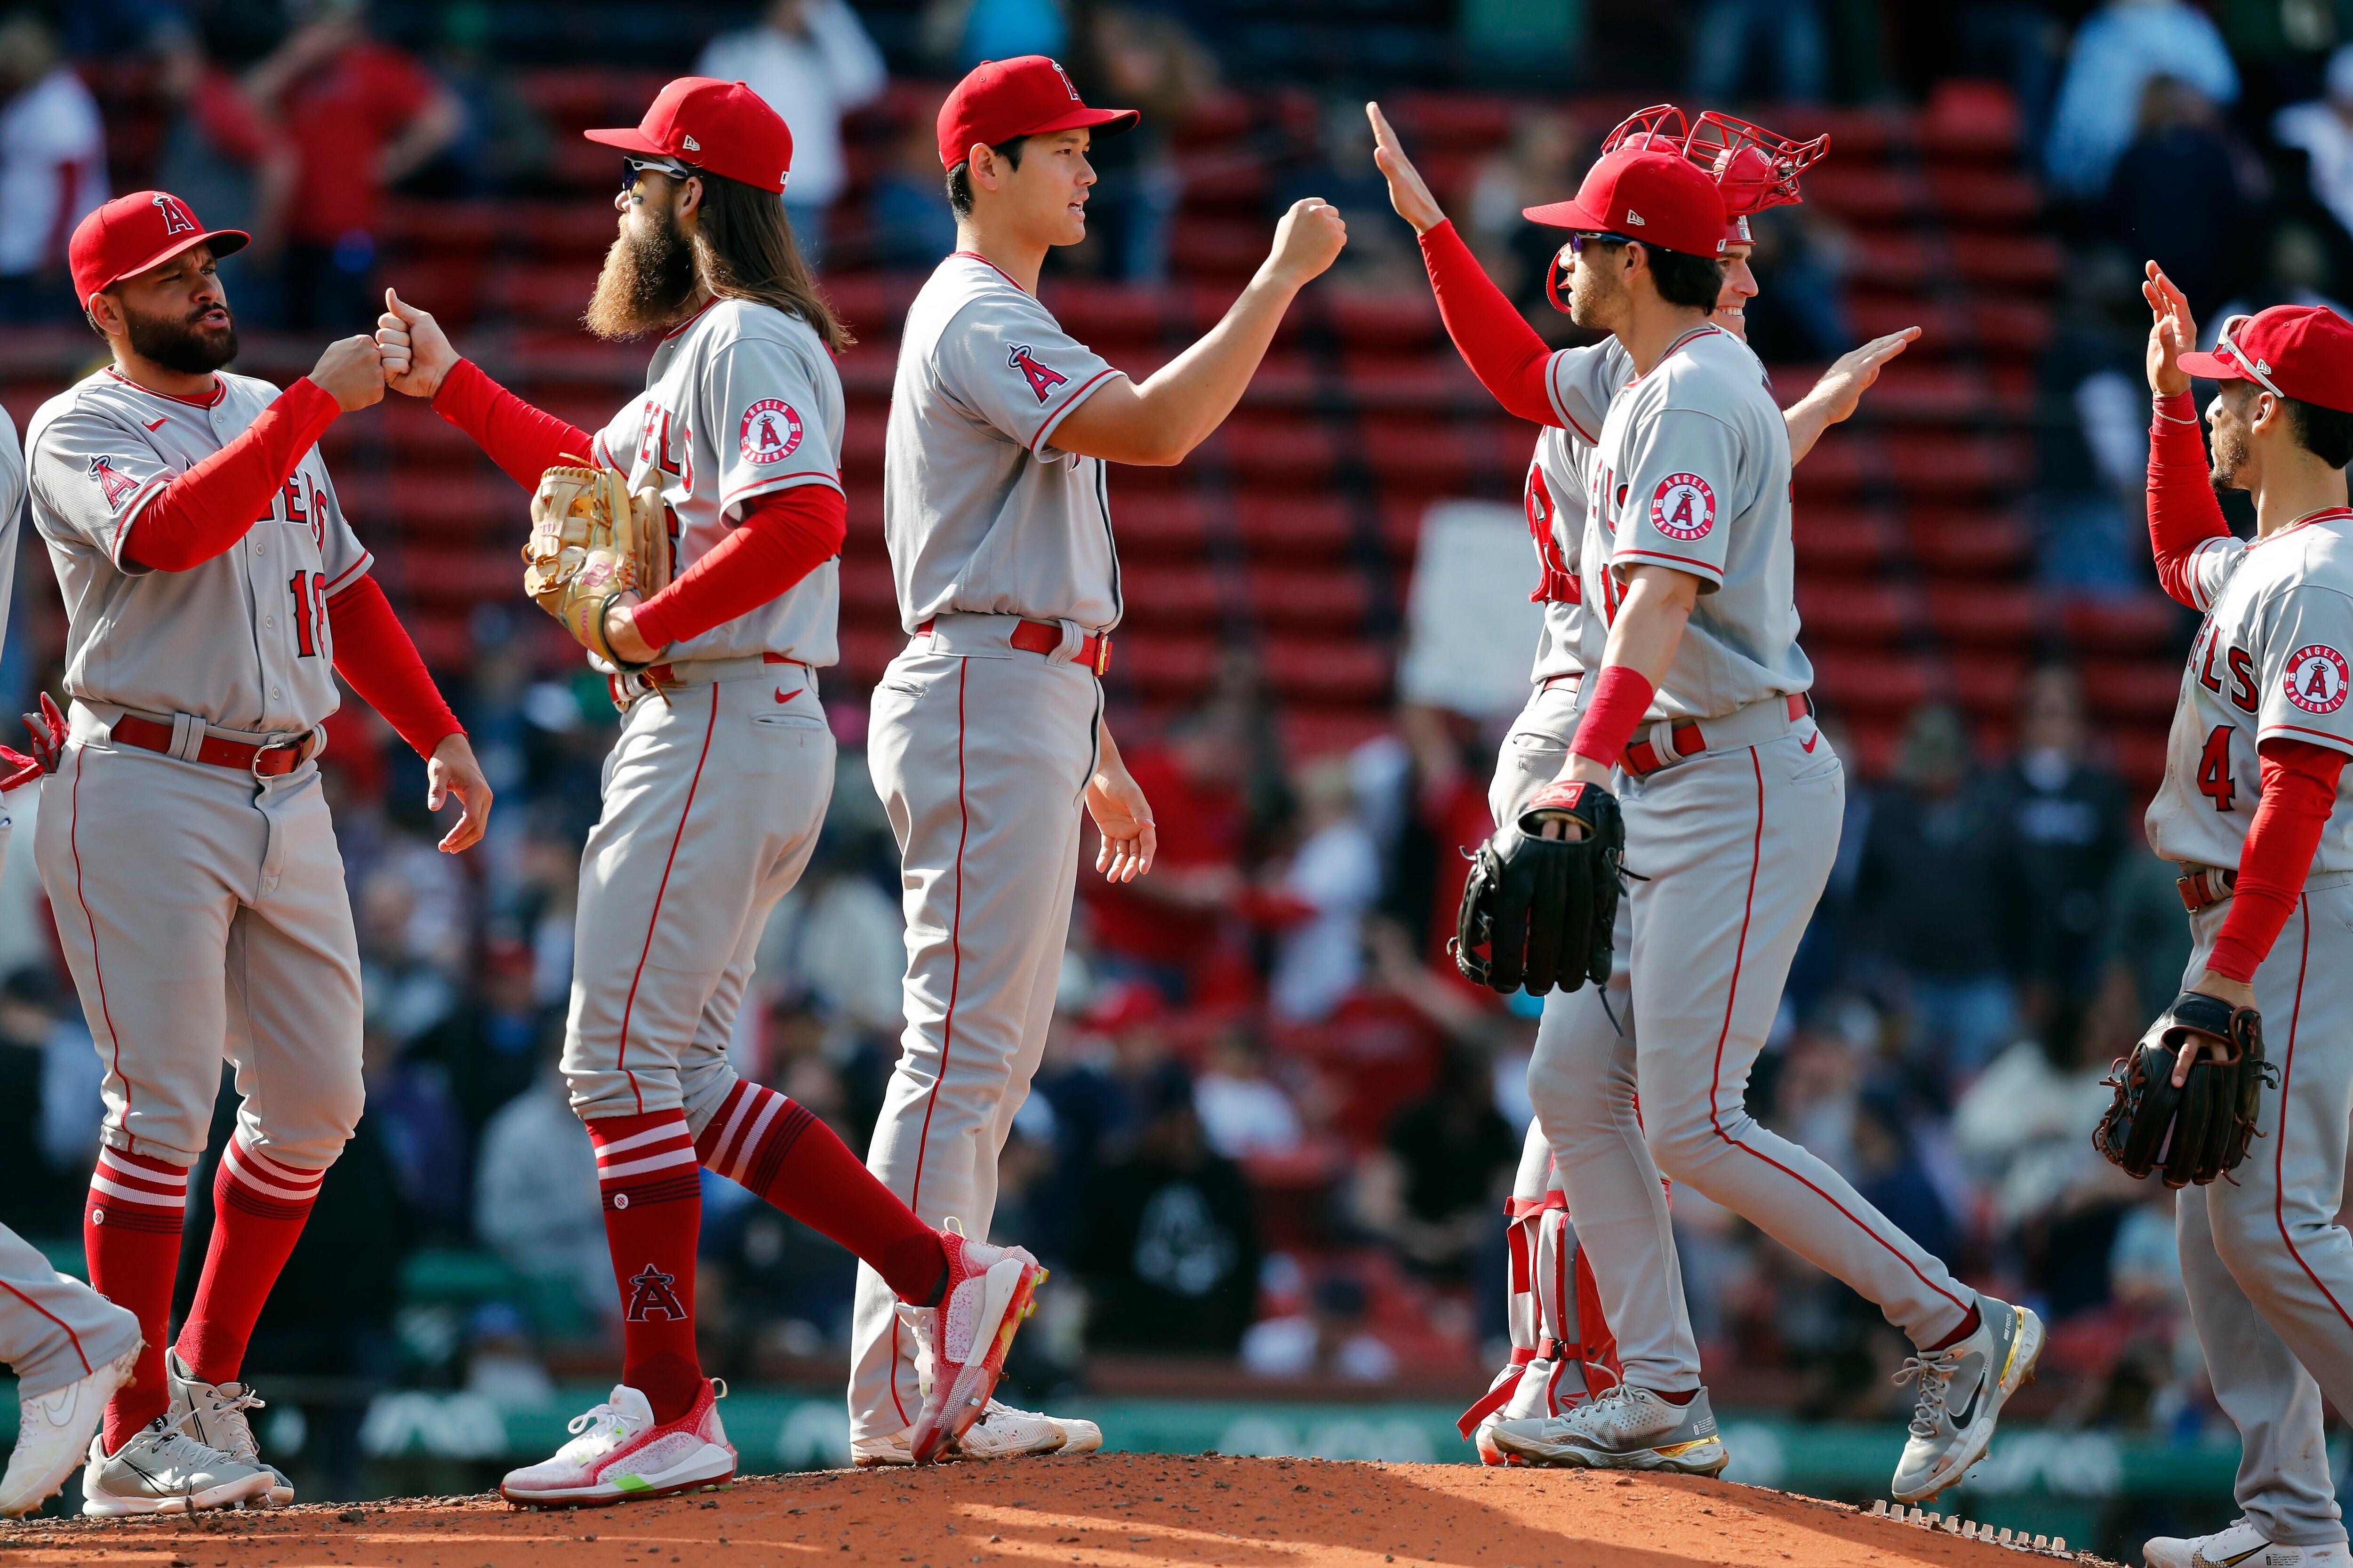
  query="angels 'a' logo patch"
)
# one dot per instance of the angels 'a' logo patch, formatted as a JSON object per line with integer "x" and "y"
{"x": 771, "y": 430}
{"x": 1682, "y": 507}
{"x": 652, "y": 1296}
{"x": 112, "y": 485}
{"x": 1043, "y": 379}
{"x": 2317, "y": 678}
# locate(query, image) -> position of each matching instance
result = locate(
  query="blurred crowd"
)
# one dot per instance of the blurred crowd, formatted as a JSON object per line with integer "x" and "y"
{"x": 1272, "y": 1126}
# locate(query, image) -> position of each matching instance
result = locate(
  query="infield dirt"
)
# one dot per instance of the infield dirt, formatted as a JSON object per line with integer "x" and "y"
{"x": 1116, "y": 1511}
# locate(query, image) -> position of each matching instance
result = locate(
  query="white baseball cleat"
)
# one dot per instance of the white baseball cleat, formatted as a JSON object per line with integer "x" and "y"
{"x": 1621, "y": 1428}
{"x": 214, "y": 1415}
{"x": 961, "y": 1343}
{"x": 1002, "y": 1432}
{"x": 1962, "y": 1389}
{"x": 2240, "y": 1546}
{"x": 890, "y": 1449}
{"x": 161, "y": 1469}
{"x": 620, "y": 1454}
{"x": 53, "y": 1434}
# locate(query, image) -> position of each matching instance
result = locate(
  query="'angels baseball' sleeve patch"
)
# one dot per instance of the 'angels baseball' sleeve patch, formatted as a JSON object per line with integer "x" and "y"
{"x": 2293, "y": 647}
{"x": 2316, "y": 678}
{"x": 767, "y": 418}
{"x": 771, "y": 432}
{"x": 1682, "y": 507}
{"x": 1671, "y": 503}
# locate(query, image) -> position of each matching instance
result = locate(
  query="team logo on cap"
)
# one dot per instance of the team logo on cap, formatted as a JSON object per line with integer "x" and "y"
{"x": 1682, "y": 507}
{"x": 1634, "y": 219}
{"x": 177, "y": 218}
{"x": 112, "y": 485}
{"x": 1043, "y": 379}
{"x": 2317, "y": 678}
{"x": 771, "y": 430}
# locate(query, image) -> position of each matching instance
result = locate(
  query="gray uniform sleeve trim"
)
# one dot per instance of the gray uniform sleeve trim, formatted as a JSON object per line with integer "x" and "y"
{"x": 1087, "y": 389}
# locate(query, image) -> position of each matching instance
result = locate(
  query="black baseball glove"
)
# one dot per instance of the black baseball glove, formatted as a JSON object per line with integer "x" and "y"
{"x": 1539, "y": 911}
{"x": 2201, "y": 1130}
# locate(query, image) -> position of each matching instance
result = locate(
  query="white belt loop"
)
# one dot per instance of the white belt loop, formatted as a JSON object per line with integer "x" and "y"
{"x": 187, "y": 736}
{"x": 1073, "y": 634}
{"x": 1662, "y": 736}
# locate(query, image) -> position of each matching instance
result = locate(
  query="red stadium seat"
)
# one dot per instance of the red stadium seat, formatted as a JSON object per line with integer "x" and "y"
{"x": 1968, "y": 119}
{"x": 548, "y": 295}
{"x": 2011, "y": 326}
{"x": 1983, "y": 197}
{"x": 1870, "y": 615}
{"x": 2008, "y": 261}
{"x": 1841, "y": 541}
{"x": 1390, "y": 321}
{"x": 2144, "y": 624}
{"x": 1294, "y": 527}
{"x": 2132, "y": 689}
{"x": 1989, "y": 684}
{"x": 1277, "y": 451}
{"x": 1971, "y": 543}
{"x": 1987, "y": 615}
{"x": 1165, "y": 593}
{"x": 867, "y": 592}
{"x": 1874, "y": 683}
{"x": 1943, "y": 466}
{"x": 1309, "y": 732}
{"x": 1322, "y": 669}
{"x": 1161, "y": 664}
{"x": 1888, "y": 259}
{"x": 565, "y": 230}
{"x": 1104, "y": 316}
{"x": 865, "y": 651}
{"x": 449, "y": 504}
{"x": 1862, "y": 194}
{"x": 1161, "y": 525}
{"x": 1836, "y": 467}
{"x": 1218, "y": 247}
{"x": 1309, "y": 598}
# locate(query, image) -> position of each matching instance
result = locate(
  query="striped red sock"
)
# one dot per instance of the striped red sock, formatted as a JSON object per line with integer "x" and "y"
{"x": 258, "y": 1208}
{"x": 653, "y": 1216}
{"x": 130, "y": 1236}
{"x": 778, "y": 1149}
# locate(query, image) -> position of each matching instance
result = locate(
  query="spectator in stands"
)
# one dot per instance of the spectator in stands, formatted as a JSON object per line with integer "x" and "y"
{"x": 490, "y": 1049}
{"x": 2117, "y": 50}
{"x": 1934, "y": 899}
{"x": 1337, "y": 166}
{"x": 2177, "y": 193}
{"x": 837, "y": 936}
{"x": 1433, "y": 1190}
{"x": 2065, "y": 826}
{"x": 1170, "y": 1252}
{"x": 41, "y": 1200}
{"x": 2322, "y": 129}
{"x": 504, "y": 144}
{"x": 1167, "y": 928}
{"x": 363, "y": 116}
{"x": 1336, "y": 873}
{"x": 2143, "y": 942}
{"x": 908, "y": 226}
{"x": 2091, "y": 432}
{"x": 406, "y": 993}
{"x": 1144, "y": 57}
{"x": 1330, "y": 1338}
{"x": 425, "y": 1139}
{"x": 535, "y": 1198}
{"x": 811, "y": 61}
{"x": 1243, "y": 1111}
{"x": 1799, "y": 309}
{"x": 220, "y": 156}
{"x": 1536, "y": 166}
{"x": 52, "y": 169}
{"x": 1772, "y": 49}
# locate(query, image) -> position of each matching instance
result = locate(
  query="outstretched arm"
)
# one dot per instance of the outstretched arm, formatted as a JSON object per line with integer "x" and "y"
{"x": 2183, "y": 514}
{"x": 1156, "y": 424}
{"x": 419, "y": 360}
{"x": 1836, "y": 395}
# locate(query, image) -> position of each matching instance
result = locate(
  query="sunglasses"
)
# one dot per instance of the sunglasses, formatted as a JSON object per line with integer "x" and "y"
{"x": 631, "y": 168}
{"x": 2253, "y": 367}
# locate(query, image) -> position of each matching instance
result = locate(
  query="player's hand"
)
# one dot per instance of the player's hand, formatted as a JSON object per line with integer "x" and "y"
{"x": 452, "y": 771}
{"x": 1124, "y": 818}
{"x": 415, "y": 351}
{"x": 621, "y": 633}
{"x": 2171, "y": 333}
{"x": 1841, "y": 387}
{"x": 2223, "y": 988}
{"x": 350, "y": 373}
{"x": 1409, "y": 193}
{"x": 1306, "y": 241}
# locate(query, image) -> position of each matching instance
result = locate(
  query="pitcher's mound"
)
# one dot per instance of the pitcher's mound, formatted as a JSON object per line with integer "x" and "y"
{"x": 1119, "y": 1511}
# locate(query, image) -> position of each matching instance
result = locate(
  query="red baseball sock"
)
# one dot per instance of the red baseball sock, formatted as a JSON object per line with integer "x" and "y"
{"x": 258, "y": 1208}
{"x": 653, "y": 1216}
{"x": 130, "y": 1236}
{"x": 778, "y": 1149}
{"x": 1969, "y": 1326}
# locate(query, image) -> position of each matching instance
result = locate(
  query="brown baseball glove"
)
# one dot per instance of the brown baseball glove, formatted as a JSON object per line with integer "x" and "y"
{"x": 591, "y": 540}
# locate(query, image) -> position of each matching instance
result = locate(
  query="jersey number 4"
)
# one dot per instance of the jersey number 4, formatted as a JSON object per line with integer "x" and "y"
{"x": 2214, "y": 769}
{"x": 310, "y": 590}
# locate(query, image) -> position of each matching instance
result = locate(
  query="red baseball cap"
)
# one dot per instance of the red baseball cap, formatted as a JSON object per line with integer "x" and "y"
{"x": 720, "y": 127}
{"x": 1027, "y": 96}
{"x": 130, "y": 234}
{"x": 1644, "y": 193}
{"x": 2304, "y": 351}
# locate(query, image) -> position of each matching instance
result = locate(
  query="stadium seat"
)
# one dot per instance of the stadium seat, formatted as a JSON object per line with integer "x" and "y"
{"x": 2008, "y": 261}
{"x": 1943, "y": 465}
{"x": 2131, "y": 689}
{"x": 1888, "y": 259}
{"x": 1311, "y": 732}
{"x": 1387, "y": 321}
{"x": 1862, "y": 194}
{"x": 1879, "y": 683}
{"x": 1309, "y": 598}
{"x": 1104, "y": 316}
{"x": 565, "y": 230}
{"x": 1290, "y": 453}
{"x": 1152, "y": 525}
{"x": 549, "y": 294}
{"x": 2143, "y": 623}
{"x": 455, "y": 503}
{"x": 1983, "y": 614}
{"x": 1969, "y": 119}
{"x": 1971, "y": 543}
{"x": 1983, "y": 197}
{"x": 1869, "y": 614}
{"x": 1208, "y": 247}
{"x": 1166, "y": 594}
{"x": 867, "y": 591}
{"x": 2011, "y": 326}
{"x": 1838, "y": 541}
{"x": 1326, "y": 669}
{"x": 1987, "y": 684}
{"x": 1179, "y": 666}
{"x": 1293, "y": 527}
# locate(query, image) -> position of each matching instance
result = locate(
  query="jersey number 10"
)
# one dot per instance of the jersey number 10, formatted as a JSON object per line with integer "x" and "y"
{"x": 310, "y": 590}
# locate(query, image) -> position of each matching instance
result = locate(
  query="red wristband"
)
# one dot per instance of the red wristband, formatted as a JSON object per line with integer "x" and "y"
{"x": 1612, "y": 713}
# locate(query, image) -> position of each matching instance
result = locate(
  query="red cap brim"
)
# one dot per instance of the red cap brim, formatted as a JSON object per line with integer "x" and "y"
{"x": 629, "y": 139}
{"x": 2210, "y": 367}
{"x": 1567, "y": 215}
{"x": 236, "y": 239}
{"x": 1110, "y": 122}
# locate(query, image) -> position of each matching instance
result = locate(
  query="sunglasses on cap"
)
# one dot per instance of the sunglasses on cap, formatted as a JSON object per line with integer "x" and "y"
{"x": 2248, "y": 364}
{"x": 633, "y": 167}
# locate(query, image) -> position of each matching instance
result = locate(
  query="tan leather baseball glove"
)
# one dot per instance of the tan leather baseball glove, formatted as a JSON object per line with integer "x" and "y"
{"x": 591, "y": 540}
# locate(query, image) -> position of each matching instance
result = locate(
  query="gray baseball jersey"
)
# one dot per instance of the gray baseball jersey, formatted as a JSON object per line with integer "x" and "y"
{"x": 2271, "y": 662}
{"x": 982, "y": 512}
{"x": 1691, "y": 471}
{"x": 240, "y": 640}
{"x": 1579, "y": 382}
{"x": 741, "y": 401}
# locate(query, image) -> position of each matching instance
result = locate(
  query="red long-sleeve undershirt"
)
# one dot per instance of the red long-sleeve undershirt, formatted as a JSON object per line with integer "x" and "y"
{"x": 1501, "y": 350}
{"x": 2182, "y": 511}
{"x": 204, "y": 511}
{"x": 375, "y": 656}
{"x": 2298, "y": 792}
{"x": 787, "y": 535}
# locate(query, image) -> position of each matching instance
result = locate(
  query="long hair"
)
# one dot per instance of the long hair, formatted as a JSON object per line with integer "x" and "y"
{"x": 744, "y": 249}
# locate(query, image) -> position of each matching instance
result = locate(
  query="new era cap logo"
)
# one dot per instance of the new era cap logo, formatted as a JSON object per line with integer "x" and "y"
{"x": 690, "y": 144}
{"x": 1635, "y": 218}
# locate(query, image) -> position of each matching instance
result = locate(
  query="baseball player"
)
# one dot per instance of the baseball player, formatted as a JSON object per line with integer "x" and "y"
{"x": 1551, "y": 1289}
{"x": 1732, "y": 806}
{"x": 988, "y": 730}
{"x": 714, "y": 792}
{"x": 2253, "y": 811}
{"x": 70, "y": 1347}
{"x": 212, "y": 591}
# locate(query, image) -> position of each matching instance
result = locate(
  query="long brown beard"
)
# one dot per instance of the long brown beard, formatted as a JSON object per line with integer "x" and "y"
{"x": 645, "y": 284}
{"x": 2230, "y": 456}
{"x": 177, "y": 342}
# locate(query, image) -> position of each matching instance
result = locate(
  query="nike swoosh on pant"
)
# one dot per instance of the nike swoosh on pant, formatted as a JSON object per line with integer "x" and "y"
{"x": 1808, "y": 741}
{"x": 785, "y": 696}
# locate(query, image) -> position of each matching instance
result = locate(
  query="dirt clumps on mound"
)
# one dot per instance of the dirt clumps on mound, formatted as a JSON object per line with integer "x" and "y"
{"x": 1106, "y": 1511}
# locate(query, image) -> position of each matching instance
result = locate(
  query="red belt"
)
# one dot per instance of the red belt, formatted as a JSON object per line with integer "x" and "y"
{"x": 2204, "y": 887}
{"x": 1046, "y": 637}
{"x": 663, "y": 675}
{"x": 261, "y": 762}
{"x": 1686, "y": 739}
